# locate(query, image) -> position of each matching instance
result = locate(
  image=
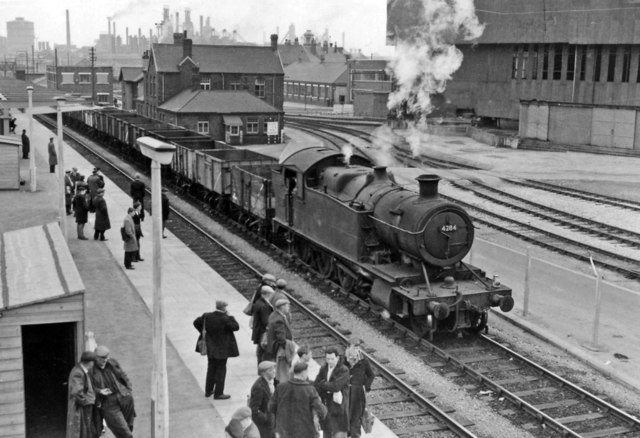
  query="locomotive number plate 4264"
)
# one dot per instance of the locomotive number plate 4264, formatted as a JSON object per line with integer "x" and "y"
{"x": 449, "y": 227}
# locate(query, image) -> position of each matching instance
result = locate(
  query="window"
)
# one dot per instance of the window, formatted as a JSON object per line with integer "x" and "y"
{"x": 259, "y": 88}
{"x": 236, "y": 85}
{"x": 571, "y": 63}
{"x": 252, "y": 125}
{"x": 525, "y": 60}
{"x": 557, "y": 62}
{"x": 234, "y": 130}
{"x": 611, "y": 68}
{"x": 85, "y": 78}
{"x": 626, "y": 64}
{"x": 534, "y": 62}
{"x": 102, "y": 78}
{"x": 514, "y": 64}
{"x": 597, "y": 64}
{"x": 583, "y": 62}
{"x": 545, "y": 63}
{"x": 203, "y": 127}
{"x": 205, "y": 83}
{"x": 67, "y": 78}
{"x": 103, "y": 98}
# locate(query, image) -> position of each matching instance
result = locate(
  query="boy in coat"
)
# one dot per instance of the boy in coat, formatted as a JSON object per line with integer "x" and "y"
{"x": 81, "y": 209}
{"x": 221, "y": 345}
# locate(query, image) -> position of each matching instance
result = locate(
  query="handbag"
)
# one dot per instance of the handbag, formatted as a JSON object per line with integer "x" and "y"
{"x": 367, "y": 420}
{"x": 202, "y": 339}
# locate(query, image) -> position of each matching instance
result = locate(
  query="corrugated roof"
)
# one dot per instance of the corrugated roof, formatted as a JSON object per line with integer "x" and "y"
{"x": 130, "y": 74}
{"x": 219, "y": 59}
{"x": 324, "y": 73}
{"x": 217, "y": 102}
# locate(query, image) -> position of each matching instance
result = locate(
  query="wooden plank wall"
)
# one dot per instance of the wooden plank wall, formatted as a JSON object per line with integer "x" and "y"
{"x": 65, "y": 309}
{"x": 9, "y": 167}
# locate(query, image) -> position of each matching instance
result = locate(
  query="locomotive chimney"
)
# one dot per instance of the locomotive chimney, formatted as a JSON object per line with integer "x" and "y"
{"x": 380, "y": 173}
{"x": 428, "y": 185}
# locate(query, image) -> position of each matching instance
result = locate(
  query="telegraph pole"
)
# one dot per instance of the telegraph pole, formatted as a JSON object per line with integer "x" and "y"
{"x": 92, "y": 58}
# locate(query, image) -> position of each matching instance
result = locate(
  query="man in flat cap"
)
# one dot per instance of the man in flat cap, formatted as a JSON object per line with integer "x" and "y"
{"x": 221, "y": 345}
{"x": 279, "y": 289}
{"x": 82, "y": 419}
{"x": 295, "y": 403}
{"x": 241, "y": 425}
{"x": 102, "y": 222}
{"x": 138, "y": 191}
{"x": 114, "y": 391}
{"x": 261, "y": 393}
{"x": 280, "y": 339}
{"x": 93, "y": 181}
{"x": 262, "y": 308}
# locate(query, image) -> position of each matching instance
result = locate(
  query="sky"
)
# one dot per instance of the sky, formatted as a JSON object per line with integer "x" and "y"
{"x": 362, "y": 21}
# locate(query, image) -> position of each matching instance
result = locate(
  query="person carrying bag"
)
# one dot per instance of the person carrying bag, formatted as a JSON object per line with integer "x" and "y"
{"x": 201, "y": 344}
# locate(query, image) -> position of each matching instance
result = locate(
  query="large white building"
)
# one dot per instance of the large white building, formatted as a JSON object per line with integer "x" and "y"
{"x": 20, "y": 35}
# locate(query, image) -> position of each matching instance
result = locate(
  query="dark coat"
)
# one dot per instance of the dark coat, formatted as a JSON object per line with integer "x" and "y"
{"x": 361, "y": 377}
{"x": 26, "y": 144}
{"x": 102, "y": 214}
{"x": 80, "y": 406}
{"x": 293, "y": 404}
{"x": 81, "y": 208}
{"x": 93, "y": 181}
{"x": 165, "y": 207}
{"x": 261, "y": 312}
{"x": 337, "y": 419}
{"x": 130, "y": 230}
{"x": 137, "y": 190}
{"x": 53, "y": 156}
{"x": 259, "y": 404}
{"x": 137, "y": 218}
{"x": 221, "y": 342}
{"x": 278, "y": 331}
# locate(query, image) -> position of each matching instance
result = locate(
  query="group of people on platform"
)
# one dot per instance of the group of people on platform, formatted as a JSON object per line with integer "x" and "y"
{"x": 283, "y": 400}
{"x": 99, "y": 392}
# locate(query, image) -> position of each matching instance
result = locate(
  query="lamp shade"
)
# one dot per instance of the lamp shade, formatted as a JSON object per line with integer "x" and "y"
{"x": 157, "y": 150}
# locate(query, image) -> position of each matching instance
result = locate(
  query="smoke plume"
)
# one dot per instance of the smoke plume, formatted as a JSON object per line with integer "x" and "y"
{"x": 426, "y": 56}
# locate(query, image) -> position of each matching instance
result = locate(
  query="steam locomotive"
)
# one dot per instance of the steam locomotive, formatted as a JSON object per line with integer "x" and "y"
{"x": 403, "y": 250}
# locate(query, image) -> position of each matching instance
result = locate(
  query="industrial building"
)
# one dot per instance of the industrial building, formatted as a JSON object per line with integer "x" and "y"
{"x": 77, "y": 79}
{"x": 20, "y": 35}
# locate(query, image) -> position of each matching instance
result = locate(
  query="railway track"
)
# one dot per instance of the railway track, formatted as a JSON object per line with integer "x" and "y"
{"x": 405, "y": 411}
{"x": 473, "y": 363}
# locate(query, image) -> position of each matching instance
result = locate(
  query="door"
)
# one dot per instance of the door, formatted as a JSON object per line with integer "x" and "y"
{"x": 613, "y": 128}
{"x": 538, "y": 122}
{"x": 49, "y": 352}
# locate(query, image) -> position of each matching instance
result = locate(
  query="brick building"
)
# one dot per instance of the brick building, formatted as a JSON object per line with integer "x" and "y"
{"x": 76, "y": 79}
{"x": 169, "y": 69}
{"x": 130, "y": 79}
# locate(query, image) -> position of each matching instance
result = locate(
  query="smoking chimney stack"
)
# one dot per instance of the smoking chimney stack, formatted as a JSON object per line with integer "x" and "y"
{"x": 68, "y": 40}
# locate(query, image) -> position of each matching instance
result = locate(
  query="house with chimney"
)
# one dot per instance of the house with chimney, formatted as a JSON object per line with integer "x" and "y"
{"x": 232, "y": 93}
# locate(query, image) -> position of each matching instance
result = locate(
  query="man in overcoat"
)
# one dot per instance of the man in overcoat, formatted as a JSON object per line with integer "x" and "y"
{"x": 221, "y": 345}
{"x": 26, "y": 145}
{"x": 280, "y": 345}
{"x": 130, "y": 244}
{"x": 262, "y": 309}
{"x": 53, "y": 156}
{"x": 93, "y": 181}
{"x": 294, "y": 404}
{"x": 102, "y": 222}
{"x": 81, "y": 210}
{"x": 137, "y": 191}
{"x": 332, "y": 383}
{"x": 114, "y": 391}
{"x": 261, "y": 393}
{"x": 81, "y": 409}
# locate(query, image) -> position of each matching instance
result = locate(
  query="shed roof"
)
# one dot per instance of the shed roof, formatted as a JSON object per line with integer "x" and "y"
{"x": 36, "y": 266}
{"x": 217, "y": 102}
{"x": 219, "y": 59}
{"x": 321, "y": 72}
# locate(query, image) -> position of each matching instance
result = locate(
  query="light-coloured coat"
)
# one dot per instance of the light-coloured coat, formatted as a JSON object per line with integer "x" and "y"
{"x": 130, "y": 230}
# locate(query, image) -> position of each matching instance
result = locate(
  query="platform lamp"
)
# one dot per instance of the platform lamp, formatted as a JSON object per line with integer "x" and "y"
{"x": 160, "y": 153}
{"x": 62, "y": 209}
{"x": 32, "y": 152}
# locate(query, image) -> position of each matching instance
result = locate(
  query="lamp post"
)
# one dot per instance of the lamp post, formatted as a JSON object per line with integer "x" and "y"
{"x": 160, "y": 153}
{"x": 61, "y": 188}
{"x": 32, "y": 152}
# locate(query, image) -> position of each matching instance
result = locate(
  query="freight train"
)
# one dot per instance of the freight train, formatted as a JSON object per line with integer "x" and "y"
{"x": 402, "y": 250}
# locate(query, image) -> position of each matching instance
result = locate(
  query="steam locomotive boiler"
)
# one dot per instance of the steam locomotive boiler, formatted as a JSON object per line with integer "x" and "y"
{"x": 401, "y": 249}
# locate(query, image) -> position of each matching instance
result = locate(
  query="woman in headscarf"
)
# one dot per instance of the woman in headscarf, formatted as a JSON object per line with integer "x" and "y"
{"x": 361, "y": 377}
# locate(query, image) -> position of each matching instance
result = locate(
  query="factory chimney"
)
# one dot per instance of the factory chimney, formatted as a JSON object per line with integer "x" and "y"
{"x": 127, "y": 36}
{"x": 113, "y": 42}
{"x": 177, "y": 29}
{"x": 109, "y": 27}
{"x": 201, "y": 19}
{"x": 68, "y": 40}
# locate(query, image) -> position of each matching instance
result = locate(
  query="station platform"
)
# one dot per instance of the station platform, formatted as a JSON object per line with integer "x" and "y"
{"x": 118, "y": 301}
